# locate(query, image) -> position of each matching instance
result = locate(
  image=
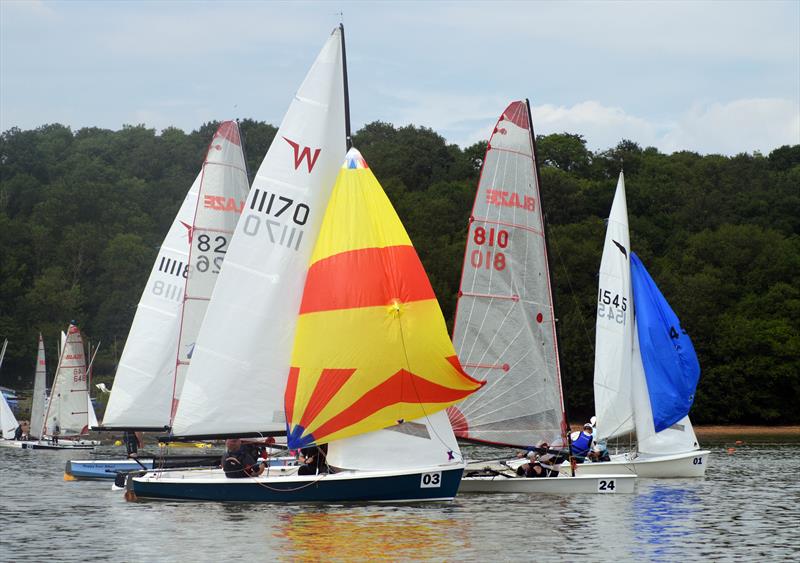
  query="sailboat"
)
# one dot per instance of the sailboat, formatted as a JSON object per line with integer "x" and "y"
{"x": 39, "y": 398}
{"x": 8, "y": 422}
{"x": 372, "y": 370}
{"x": 505, "y": 327}
{"x": 159, "y": 347}
{"x": 646, "y": 370}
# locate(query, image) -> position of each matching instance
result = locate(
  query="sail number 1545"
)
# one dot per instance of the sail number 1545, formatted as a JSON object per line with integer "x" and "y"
{"x": 489, "y": 258}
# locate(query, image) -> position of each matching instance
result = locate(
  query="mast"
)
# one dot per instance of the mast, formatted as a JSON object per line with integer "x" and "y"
{"x": 348, "y": 136}
{"x": 566, "y": 429}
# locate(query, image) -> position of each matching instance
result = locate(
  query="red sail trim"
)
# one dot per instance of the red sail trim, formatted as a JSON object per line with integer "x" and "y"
{"x": 373, "y": 278}
{"x": 328, "y": 385}
{"x": 290, "y": 393}
{"x": 402, "y": 387}
{"x": 517, "y": 113}
{"x": 229, "y": 130}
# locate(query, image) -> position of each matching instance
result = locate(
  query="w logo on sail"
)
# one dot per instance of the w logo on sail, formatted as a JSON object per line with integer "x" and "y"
{"x": 304, "y": 154}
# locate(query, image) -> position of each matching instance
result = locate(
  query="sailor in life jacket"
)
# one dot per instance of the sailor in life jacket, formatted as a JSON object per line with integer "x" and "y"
{"x": 582, "y": 441}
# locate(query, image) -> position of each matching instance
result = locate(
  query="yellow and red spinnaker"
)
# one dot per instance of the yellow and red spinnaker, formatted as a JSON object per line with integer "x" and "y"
{"x": 371, "y": 348}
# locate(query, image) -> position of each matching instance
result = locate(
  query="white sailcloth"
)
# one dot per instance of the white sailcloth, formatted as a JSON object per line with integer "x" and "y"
{"x": 66, "y": 409}
{"x": 159, "y": 346}
{"x": 8, "y": 422}
{"x": 240, "y": 365}
{"x": 505, "y": 326}
{"x": 614, "y": 328}
{"x": 39, "y": 398}
{"x": 426, "y": 442}
{"x": 141, "y": 396}
{"x": 223, "y": 188}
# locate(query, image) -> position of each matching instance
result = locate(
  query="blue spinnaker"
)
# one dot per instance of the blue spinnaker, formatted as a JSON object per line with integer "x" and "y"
{"x": 670, "y": 363}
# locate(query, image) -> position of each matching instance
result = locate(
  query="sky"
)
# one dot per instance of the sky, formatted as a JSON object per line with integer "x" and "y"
{"x": 711, "y": 77}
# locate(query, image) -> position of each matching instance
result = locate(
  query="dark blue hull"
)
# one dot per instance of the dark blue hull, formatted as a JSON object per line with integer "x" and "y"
{"x": 339, "y": 488}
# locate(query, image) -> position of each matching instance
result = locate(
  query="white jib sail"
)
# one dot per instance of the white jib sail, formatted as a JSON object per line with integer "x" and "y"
{"x": 39, "y": 398}
{"x": 68, "y": 399}
{"x": 614, "y": 328}
{"x": 241, "y": 360}
{"x": 141, "y": 396}
{"x": 223, "y": 189}
{"x": 505, "y": 329}
{"x": 8, "y": 422}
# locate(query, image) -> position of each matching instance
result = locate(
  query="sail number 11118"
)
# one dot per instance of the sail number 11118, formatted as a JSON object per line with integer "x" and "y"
{"x": 489, "y": 258}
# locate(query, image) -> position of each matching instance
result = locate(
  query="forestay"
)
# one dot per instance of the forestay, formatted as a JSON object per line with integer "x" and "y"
{"x": 66, "y": 409}
{"x": 241, "y": 360}
{"x": 505, "y": 327}
{"x": 39, "y": 398}
{"x": 614, "y": 326}
{"x": 371, "y": 348}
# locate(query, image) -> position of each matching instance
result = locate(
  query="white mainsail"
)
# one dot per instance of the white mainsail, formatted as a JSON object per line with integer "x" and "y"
{"x": 223, "y": 188}
{"x": 159, "y": 346}
{"x": 505, "y": 326}
{"x": 66, "y": 409}
{"x": 39, "y": 398}
{"x": 236, "y": 380}
{"x": 8, "y": 422}
{"x": 614, "y": 332}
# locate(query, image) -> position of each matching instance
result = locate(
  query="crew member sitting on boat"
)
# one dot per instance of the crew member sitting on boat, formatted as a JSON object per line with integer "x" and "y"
{"x": 532, "y": 469}
{"x": 313, "y": 460}
{"x": 599, "y": 452}
{"x": 582, "y": 442}
{"x": 237, "y": 462}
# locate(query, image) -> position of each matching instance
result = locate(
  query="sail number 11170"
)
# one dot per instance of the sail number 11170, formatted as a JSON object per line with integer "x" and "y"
{"x": 489, "y": 258}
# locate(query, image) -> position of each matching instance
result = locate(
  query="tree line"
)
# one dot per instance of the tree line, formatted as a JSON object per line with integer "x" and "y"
{"x": 82, "y": 214}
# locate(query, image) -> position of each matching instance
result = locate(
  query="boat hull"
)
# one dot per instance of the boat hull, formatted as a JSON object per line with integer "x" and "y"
{"x": 432, "y": 484}
{"x": 108, "y": 468}
{"x": 31, "y": 445}
{"x": 689, "y": 464}
{"x": 602, "y": 484}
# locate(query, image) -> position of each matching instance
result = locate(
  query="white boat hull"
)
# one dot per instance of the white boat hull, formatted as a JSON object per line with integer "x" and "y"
{"x": 602, "y": 484}
{"x": 44, "y": 445}
{"x": 688, "y": 464}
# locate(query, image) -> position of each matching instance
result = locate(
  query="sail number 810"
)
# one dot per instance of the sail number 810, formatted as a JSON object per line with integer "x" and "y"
{"x": 489, "y": 259}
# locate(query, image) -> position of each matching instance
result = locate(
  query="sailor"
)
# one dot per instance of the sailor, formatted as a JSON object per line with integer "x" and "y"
{"x": 532, "y": 470}
{"x": 582, "y": 442}
{"x": 131, "y": 443}
{"x": 56, "y": 432}
{"x": 313, "y": 460}
{"x": 18, "y": 433}
{"x": 238, "y": 463}
{"x": 599, "y": 452}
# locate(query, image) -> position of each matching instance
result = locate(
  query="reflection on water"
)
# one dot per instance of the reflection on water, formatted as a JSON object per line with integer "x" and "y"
{"x": 372, "y": 532}
{"x": 746, "y": 508}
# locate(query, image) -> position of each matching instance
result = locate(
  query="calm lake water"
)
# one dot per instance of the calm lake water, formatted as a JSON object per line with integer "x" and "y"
{"x": 746, "y": 508}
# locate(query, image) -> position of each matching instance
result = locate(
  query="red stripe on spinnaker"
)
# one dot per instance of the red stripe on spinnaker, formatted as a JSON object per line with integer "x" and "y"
{"x": 328, "y": 384}
{"x": 290, "y": 393}
{"x": 366, "y": 277}
{"x": 402, "y": 387}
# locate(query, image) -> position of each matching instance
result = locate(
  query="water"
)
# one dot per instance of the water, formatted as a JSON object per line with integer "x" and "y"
{"x": 747, "y": 507}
